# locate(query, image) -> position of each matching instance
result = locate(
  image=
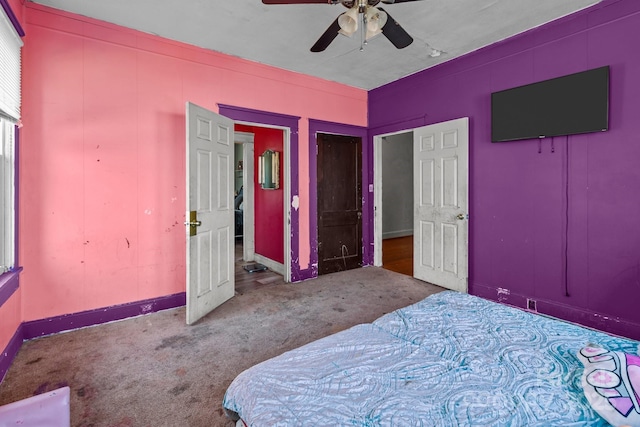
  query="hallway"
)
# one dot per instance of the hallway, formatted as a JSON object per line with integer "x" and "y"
{"x": 246, "y": 281}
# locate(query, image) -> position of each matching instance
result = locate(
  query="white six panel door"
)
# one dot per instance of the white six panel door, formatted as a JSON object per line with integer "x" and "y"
{"x": 210, "y": 252}
{"x": 441, "y": 169}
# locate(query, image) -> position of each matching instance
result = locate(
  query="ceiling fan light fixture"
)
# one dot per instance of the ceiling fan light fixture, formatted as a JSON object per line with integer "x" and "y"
{"x": 348, "y": 22}
{"x": 371, "y": 34}
{"x": 376, "y": 20}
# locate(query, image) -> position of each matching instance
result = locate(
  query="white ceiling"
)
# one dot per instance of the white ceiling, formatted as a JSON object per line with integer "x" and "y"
{"x": 281, "y": 35}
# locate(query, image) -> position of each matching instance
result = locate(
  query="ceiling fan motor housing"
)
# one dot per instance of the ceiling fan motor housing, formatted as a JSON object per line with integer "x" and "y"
{"x": 362, "y": 4}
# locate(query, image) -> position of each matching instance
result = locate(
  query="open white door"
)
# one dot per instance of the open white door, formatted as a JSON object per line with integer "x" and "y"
{"x": 441, "y": 180}
{"x": 210, "y": 211}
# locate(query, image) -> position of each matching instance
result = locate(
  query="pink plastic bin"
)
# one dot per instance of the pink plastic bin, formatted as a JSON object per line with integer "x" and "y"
{"x": 49, "y": 409}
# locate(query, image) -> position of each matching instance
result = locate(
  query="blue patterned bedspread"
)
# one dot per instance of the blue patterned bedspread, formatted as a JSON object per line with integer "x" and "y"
{"x": 449, "y": 360}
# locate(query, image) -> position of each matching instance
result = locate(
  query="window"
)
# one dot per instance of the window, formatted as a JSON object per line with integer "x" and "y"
{"x": 7, "y": 195}
{"x": 10, "y": 45}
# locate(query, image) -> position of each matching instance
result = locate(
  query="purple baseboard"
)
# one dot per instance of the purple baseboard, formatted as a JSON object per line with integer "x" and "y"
{"x": 309, "y": 273}
{"x": 10, "y": 352}
{"x": 52, "y": 325}
{"x": 501, "y": 295}
{"x": 590, "y": 319}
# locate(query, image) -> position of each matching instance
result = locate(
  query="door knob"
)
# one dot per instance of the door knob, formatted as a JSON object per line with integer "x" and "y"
{"x": 461, "y": 216}
{"x": 193, "y": 223}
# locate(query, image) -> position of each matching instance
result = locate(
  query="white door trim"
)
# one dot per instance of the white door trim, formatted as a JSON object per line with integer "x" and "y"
{"x": 248, "y": 191}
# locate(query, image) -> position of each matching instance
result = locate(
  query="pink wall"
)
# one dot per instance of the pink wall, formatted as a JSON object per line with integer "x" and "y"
{"x": 102, "y": 155}
{"x": 269, "y": 204}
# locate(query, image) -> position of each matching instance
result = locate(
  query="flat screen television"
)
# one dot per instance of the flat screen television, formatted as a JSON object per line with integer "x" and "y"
{"x": 571, "y": 104}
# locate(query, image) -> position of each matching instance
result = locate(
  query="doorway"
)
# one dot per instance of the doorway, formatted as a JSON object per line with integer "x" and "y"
{"x": 440, "y": 201}
{"x": 396, "y": 195}
{"x": 259, "y": 255}
{"x": 267, "y": 207}
{"x": 210, "y": 245}
{"x": 339, "y": 210}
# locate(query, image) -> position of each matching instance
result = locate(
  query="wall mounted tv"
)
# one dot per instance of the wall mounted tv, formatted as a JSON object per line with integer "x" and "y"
{"x": 572, "y": 104}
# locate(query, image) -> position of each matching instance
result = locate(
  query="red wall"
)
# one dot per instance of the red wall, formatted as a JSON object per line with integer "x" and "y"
{"x": 269, "y": 204}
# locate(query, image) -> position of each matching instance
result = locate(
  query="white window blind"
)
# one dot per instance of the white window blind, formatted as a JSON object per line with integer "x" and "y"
{"x": 10, "y": 45}
{"x": 7, "y": 195}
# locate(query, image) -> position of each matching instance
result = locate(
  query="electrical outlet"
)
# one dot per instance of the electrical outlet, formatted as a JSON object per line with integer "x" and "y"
{"x": 531, "y": 304}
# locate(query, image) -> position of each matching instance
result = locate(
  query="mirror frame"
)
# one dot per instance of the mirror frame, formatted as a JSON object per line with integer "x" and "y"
{"x": 269, "y": 170}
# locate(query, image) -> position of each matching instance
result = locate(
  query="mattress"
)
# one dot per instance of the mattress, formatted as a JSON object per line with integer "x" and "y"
{"x": 449, "y": 360}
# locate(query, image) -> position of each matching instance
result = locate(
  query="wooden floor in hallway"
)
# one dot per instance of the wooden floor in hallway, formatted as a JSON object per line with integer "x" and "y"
{"x": 397, "y": 255}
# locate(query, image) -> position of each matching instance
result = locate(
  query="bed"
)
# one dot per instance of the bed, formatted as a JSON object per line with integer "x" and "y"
{"x": 451, "y": 359}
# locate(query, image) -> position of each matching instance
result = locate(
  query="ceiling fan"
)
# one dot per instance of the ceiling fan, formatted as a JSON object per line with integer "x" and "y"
{"x": 374, "y": 20}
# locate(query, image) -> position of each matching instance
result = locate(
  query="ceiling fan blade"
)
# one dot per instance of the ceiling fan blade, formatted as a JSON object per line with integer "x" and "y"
{"x": 327, "y": 37}
{"x": 296, "y": 1}
{"x": 395, "y": 33}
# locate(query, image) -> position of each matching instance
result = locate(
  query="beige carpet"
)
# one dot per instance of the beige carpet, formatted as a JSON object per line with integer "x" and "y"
{"x": 154, "y": 370}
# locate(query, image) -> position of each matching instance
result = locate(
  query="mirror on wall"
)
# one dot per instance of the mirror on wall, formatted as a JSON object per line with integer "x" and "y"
{"x": 269, "y": 170}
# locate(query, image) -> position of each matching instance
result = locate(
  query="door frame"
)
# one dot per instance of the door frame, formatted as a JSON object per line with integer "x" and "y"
{"x": 320, "y": 126}
{"x": 286, "y": 171}
{"x": 377, "y": 193}
{"x": 288, "y": 124}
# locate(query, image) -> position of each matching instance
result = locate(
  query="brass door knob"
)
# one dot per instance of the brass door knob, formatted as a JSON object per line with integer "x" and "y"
{"x": 193, "y": 223}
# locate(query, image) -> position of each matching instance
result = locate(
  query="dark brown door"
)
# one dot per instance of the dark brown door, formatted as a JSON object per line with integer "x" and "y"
{"x": 339, "y": 203}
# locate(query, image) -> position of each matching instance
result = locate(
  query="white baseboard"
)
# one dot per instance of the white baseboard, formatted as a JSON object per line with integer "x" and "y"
{"x": 399, "y": 233}
{"x": 271, "y": 264}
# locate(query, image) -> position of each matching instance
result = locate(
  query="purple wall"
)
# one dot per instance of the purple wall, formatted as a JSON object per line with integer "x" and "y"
{"x": 552, "y": 220}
